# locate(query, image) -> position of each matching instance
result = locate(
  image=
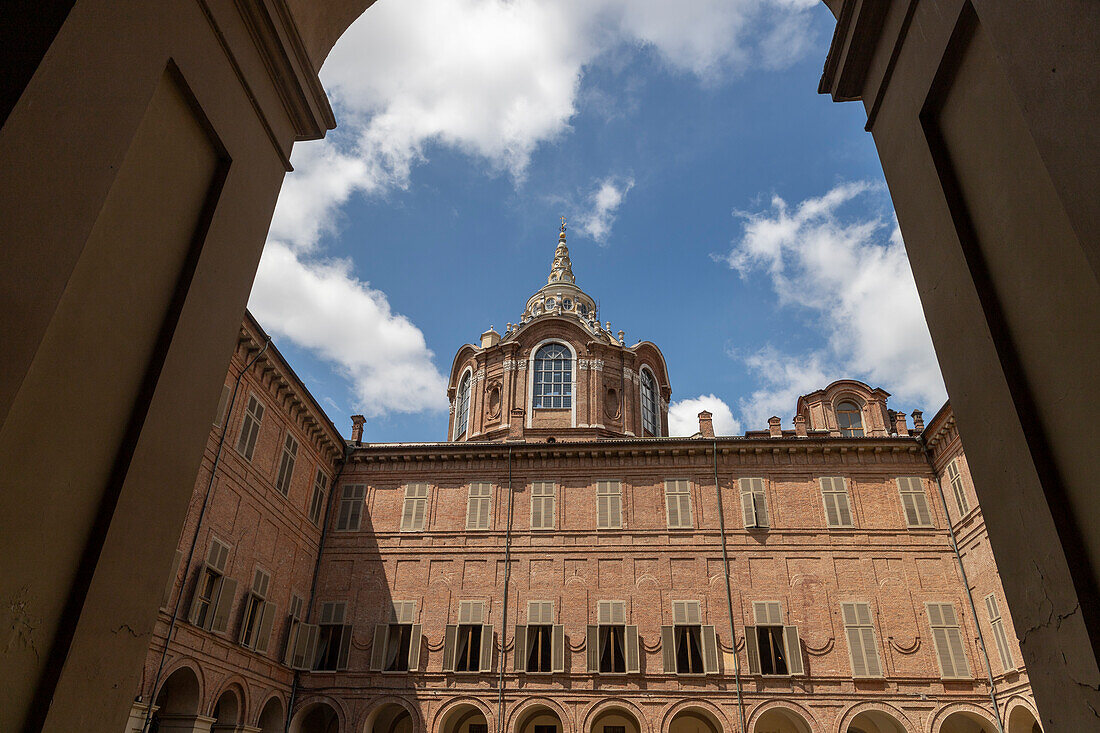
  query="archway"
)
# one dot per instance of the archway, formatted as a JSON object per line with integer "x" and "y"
{"x": 1022, "y": 720}
{"x": 780, "y": 720}
{"x": 320, "y": 717}
{"x": 177, "y": 703}
{"x": 389, "y": 718}
{"x": 615, "y": 720}
{"x": 965, "y": 721}
{"x": 540, "y": 719}
{"x": 465, "y": 718}
{"x": 271, "y": 717}
{"x": 875, "y": 721}
{"x": 227, "y": 711}
{"x": 694, "y": 720}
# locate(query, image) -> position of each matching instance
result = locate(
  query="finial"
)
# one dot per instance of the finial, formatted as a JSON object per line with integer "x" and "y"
{"x": 561, "y": 270}
{"x": 563, "y": 225}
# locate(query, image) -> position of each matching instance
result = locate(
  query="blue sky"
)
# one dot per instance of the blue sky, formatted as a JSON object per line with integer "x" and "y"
{"x": 717, "y": 205}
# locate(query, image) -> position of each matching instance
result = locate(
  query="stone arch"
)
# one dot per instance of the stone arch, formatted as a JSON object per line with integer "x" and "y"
{"x": 181, "y": 690}
{"x": 228, "y": 708}
{"x": 318, "y": 715}
{"x": 455, "y": 716}
{"x": 709, "y": 718}
{"x": 963, "y": 718}
{"x": 271, "y": 718}
{"x": 618, "y": 710}
{"x": 1021, "y": 717}
{"x": 784, "y": 716}
{"x": 386, "y": 714}
{"x": 536, "y": 711}
{"x": 875, "y": 717}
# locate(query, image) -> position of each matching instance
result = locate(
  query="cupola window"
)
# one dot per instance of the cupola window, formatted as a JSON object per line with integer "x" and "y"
{"x": 849, "y": 419}
{"x": 553, "y": 377}
{"x": 462, "y": 412}
{"x": 649, "y": 404}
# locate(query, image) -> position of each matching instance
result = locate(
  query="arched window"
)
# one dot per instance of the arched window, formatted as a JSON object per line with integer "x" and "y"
{"x": 462, "y": 413}
{"x": 553, "y": 377}
{"x": 849, "y": 418}
{"x": 650, "y": 415}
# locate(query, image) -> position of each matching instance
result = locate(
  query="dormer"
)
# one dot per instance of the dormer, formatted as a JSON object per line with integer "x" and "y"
{"x": 847, "y": 408}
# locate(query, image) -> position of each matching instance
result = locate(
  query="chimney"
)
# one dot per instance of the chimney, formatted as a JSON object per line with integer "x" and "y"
{"x": 706, "y": 424}
{"x": 490, "y": 338}
{"x": 800, "y": 426}
{"x": 775, "y": 428}
{"x": 918, "y": 421}
{"x": 899, "y": 425}
{"x": 515, "y": 423}
{"x": 357, "y": 428}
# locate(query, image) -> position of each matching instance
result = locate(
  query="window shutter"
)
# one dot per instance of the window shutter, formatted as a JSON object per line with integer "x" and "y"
{"x": 420, "y": 513}
{"x": 710, "y": 650}
{"x": 267, "y": 620}
{"x": 176, "y": 560}
{"x": 914, "y": 500}
{"x": 870, "y": 652}
{"x": 414, "y": 648}
{"x": 193, "y": 614}
{"x": 592, "y": 648}
{"x": 673, "y": 508}
{"x": 450, "y": 638}
{"x": 217, "y": 556}
{"x": 844, "y": 508}
{"x": 519, "y": 650}
{"x": 768, "y": 613}
{"x": 748, "y": 510}
{"x": 536, "y": 512}
{"x": 794, "y": 650}
{"x": 486, "y": 648}
{"x": 408, "y": 514}
{"x": 224, "y": 605}
{"x": 345, "y": 648}
{"x": 958, "y": 652}
{"x": 752, "y": 649}
{"x": 305, "y": 647}
{"x": 603, "y": 512}
{"x": 557, "y": 652}
{"x": 633, "y": 658}
{"x": 378, "y": 648}
{"x": 668, "y": 649}
{"x": 685, "y": 511}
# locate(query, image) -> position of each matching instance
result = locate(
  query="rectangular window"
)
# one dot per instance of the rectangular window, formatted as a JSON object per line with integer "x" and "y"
{"x": 415, "y": 513}
{"x": 609, "y": 505}
{"x": 333, "y": 638}
{"x": 612, "y": 644}
{"x": 259, "y": 614}
{"x": 397, "y": 644}
{"x": 862, "y": 648}
{"x": 468, "y": 645}
{"x": 834, "y": 494}
{"x": 541, "y": 643}
{"x": 754, "y": 506}
{"x": 998, "y": 626}
{"x": 351, "y": 508}
{"x": 773, "y": 649}
{"x": 687, "y": 646}
{"x": 223, "y": 405}
{"x": 286, "y": 464}
{"x": 678, "y": 503}
{"x": 957, "y": 489}
{"x": 947, "y": 638}
{"x": 250, "y": 428}
{"x": 317, "y": 501}
{"x": 914, "y": 501}
{"x": 479, "y": 505}
{"x": 543, "y": 504}
{"x": 214, "y": 592}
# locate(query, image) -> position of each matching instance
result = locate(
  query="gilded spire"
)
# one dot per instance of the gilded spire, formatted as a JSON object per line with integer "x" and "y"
{"x": 562, "y": 270}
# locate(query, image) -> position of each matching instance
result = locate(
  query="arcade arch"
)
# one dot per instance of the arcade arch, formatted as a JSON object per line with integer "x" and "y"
{"x": 694, "y": 720}
{"x": 227, "y": 711}
{"x": 613, "y": 719}
{"x": 1022, "y": 720}
{"x": 318, "y": 717}
{"x": 178, "y": 700}
{"x": 390, "y": 717}
{"x": 967, "y": 721}
{"x": 271, "y": 717}
{"x": 875, "y": 721}
{"x": 464, "y": 718}
{"x": 781, "y": 720}
{"x": 540, "y": 718}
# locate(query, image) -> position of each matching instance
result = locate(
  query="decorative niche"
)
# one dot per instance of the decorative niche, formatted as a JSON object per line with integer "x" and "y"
{"x": 492, "y": 400}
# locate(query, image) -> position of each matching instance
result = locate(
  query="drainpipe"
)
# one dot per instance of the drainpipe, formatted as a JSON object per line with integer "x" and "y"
{"x": 195, "y": 535}
{"x": 313, "y": 582}
{"x": 969, "y": 597}
{"x": 504, "y": 611}
{"x": 729, "y": 591}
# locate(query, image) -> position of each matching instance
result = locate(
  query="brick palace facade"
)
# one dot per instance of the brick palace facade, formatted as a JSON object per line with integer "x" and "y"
{"x": 562, "y": 565}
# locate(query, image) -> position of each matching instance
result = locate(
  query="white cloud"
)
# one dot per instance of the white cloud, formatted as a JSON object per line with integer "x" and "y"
{"x": 683, "y": 416}
{"x": 322, "y": 306}
{"x": 852, "y": 273}
{"x": 493, "y": 79}
{"x": 605, "y": 201}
